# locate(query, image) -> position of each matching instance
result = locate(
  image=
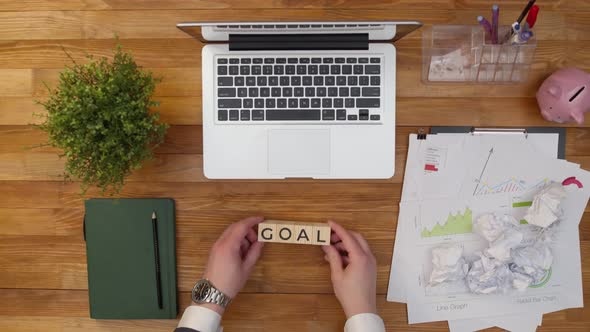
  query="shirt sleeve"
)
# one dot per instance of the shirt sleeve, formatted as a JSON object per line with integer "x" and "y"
{"x": 200, "y": 319}
{"x": 364, "y": 323}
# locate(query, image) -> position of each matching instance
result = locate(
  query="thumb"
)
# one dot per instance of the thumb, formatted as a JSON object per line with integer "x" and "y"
{"x": 253, "y": 255}
{"x": 334, "y": 259}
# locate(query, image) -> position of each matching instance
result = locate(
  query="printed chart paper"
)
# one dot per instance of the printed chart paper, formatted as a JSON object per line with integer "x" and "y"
{"x": 452, "y": 179}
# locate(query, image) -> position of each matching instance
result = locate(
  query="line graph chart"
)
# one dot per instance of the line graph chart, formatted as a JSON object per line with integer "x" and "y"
{"x": 512, "y": 185}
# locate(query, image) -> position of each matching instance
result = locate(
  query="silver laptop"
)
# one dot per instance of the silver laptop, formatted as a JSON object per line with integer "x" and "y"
{"x": 299, "y": 99}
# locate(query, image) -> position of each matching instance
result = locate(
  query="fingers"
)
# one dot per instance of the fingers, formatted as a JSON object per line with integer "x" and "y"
{"x": 244, "y": 246}
{"x": 251, "y": 221}
{"x": 334, "y": 238}
{"x": 252, "y": 236}
{"x": 369, "y": 257}
{"x": 242, "y": 227}
{"x": 253, "y": 255}
{"x": 340, "y": 246}
{"x": 350, "y": 243}
{"x": 234, "y": 233}
{"x": 334, "y": 259}
{"x": 226, "y": 233}
{"x": 345, "y": 260}
{"x": 343, "y": 253}
{"x": 362, "y": 242}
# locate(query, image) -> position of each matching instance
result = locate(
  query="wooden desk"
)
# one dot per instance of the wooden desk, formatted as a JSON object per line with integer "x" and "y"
{"x": 42, "y": 253}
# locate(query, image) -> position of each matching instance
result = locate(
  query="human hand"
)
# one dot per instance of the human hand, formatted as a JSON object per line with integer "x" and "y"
{"x": 354, "y": 271}
{"x": 232, "y": 258}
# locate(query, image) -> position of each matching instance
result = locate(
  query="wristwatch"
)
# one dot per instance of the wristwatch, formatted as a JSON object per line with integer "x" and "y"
{"x": 205, "y": 292}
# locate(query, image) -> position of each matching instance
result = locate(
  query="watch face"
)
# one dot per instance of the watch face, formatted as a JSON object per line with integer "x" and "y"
{"x": 201, "y": 290}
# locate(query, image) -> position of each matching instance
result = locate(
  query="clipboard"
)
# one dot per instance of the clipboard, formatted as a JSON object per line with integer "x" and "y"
{"x": 502, "y": 131}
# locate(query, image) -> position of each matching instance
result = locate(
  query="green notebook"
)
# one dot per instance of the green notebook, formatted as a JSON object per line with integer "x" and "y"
{"x": 122, "y": 282}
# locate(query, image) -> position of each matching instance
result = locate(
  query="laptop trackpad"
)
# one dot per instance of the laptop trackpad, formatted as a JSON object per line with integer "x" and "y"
{"x": 299, "y": 152}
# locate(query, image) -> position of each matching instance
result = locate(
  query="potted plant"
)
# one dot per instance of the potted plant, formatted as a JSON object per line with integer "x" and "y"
{"x": 100, "y": 116}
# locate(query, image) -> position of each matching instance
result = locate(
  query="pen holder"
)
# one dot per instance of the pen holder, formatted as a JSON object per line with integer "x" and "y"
{"x": 463, "y": 53}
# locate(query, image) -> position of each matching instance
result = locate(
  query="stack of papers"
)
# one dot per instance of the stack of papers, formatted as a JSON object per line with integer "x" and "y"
{"x": 451, "y": 180}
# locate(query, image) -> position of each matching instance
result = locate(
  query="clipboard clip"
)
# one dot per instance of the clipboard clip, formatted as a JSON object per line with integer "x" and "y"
{"x": 421, "y": 134}
{"x": 502, "y": 131}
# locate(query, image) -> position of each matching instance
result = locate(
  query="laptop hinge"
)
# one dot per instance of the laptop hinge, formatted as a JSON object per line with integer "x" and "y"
{"x": 288, "y": 42}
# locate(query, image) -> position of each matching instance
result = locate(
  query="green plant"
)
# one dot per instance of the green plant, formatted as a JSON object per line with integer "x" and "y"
{"x": 99, "y": 115}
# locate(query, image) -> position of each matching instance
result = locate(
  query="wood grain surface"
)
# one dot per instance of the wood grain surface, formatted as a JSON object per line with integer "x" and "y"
{"x": 43, "y": 278}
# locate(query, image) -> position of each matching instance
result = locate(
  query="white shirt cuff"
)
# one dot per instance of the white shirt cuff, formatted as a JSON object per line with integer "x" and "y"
{"x": 200, "y": 319}
{"x": 364, "y": 323}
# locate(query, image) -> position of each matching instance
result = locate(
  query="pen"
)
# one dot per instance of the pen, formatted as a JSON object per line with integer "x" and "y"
{"x": 514, "y": 33}
{"x": 525, "y": 11}
{"x": 485, "y": 24}
{"x": 157, "y": 258}
{"x": 495, "y": 17}
{"x": 516, "y": 27}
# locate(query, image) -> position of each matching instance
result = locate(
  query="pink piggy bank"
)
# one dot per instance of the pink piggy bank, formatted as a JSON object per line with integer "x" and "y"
{"x": 565, "y": 96}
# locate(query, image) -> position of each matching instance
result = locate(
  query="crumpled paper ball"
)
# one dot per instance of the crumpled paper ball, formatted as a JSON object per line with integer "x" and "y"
{"x": 448, "y": 264}
{"x": 546, "y": 206}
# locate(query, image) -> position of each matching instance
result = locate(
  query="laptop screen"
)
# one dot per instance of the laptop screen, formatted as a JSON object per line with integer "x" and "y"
{"x": 376, "y": 31}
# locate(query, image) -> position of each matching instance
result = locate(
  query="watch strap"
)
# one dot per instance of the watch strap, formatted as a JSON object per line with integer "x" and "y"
{"x": 214, "y": 295}
{"x": 217, "y": 297}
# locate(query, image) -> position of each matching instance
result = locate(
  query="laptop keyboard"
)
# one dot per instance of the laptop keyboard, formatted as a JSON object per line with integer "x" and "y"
{"x": 326, "y": 89}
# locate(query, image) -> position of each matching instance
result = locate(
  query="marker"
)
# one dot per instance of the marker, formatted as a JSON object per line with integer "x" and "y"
{"x": 526, "y": 27}
{"x": 495, "y": 18}
{"x": 525, "y": 11}
{"x": 485, "y": 24}
{"x": 531, "y": 19}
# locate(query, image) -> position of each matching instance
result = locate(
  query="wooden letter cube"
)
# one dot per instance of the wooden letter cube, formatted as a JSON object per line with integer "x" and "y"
{"x": 267, "y": 232}
{"x": 304, "y": 234}
{"x": 285, "y": 232}
{"x": 321, "y": 234}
